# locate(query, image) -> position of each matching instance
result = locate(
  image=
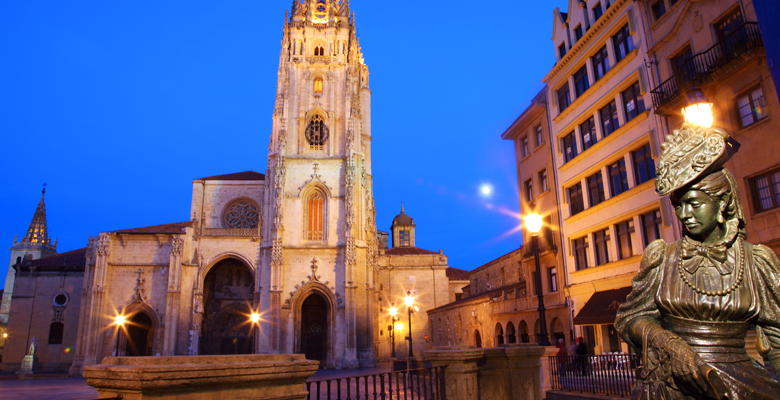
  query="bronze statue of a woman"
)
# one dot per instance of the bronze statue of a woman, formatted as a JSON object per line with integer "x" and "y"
{"x": 693, "y": 300}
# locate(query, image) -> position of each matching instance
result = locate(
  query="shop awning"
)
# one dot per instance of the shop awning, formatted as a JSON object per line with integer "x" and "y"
{"x": 602, "y": 307}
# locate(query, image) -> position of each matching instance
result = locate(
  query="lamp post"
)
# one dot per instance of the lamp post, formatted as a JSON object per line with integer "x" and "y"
{"x": 533, "y": 224}
{"x": 410, "y": 307}
{"x": 254, "y": 321}
{"x": 393, "y": 311}
{"x": 119, "y": 321}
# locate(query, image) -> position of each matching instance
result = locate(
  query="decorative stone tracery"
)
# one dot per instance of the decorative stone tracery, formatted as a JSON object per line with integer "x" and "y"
{"x": 241, "y": 213}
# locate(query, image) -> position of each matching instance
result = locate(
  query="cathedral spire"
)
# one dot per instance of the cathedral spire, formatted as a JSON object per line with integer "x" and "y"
{"x": 38, "y": 231}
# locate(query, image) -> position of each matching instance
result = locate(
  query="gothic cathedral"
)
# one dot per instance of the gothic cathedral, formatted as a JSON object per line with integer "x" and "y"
{"x": 298, "y": 246}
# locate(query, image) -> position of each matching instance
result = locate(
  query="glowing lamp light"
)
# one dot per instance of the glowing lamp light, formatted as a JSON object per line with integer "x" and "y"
{"x": 699, "y": 111}
{"x": 5, "y": 335}
{"x": 120, "y": 320}
{"x": 409, "y": 300}
{"x": 399, "y": 326}
{"x": 254, "y": 318}
{"x": 393, "y": 311}
{"x": 533, "y": 223}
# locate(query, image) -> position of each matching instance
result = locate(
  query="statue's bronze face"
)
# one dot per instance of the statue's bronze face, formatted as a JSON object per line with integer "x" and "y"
{"x": 698, "y": 213}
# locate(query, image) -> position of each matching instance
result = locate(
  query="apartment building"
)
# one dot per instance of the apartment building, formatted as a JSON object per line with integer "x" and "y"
{"x": 716, "y": 46}
{"x": 604, "y": 140}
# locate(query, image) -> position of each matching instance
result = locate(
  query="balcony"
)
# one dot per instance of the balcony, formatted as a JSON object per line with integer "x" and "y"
{"x": 707, "y": 65}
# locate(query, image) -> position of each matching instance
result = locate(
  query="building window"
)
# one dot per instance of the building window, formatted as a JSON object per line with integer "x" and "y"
{"x": 588, "y": 133}
{"x": 524, "y": 146}
{"x": 405, "y": 238}
{"x": 651, "y": 226}
{"x": 316, "y": 133}
{"x": 659, "y": 9}
{"x": 633, "y": 104}
{"x": 564, "y": 98}
{"x": 597, "y": 12}
{"x": 315, "y": 216}
{"x": 55, "y": 332}
{"x": 600, "y": 62}
{"x": 544, "y": 186}
{"x": 682, "y": 64}
{"x": 622, "y": 43}
{"x": 609, "y": 118}
{"x": 644, "y": 167}
{"x": 751, "y": 107}
{"x": 319, "y": 51}
{"x": 580, "y": 247}
{"x": 241, "y": 213}
{"x": 595, "y": 189}
{"x": 578, "y": 32}
{"x": 552, "y": 279}
{"x": 601, "y": 241}
{"x": 529, "y": 191}
{"x": 581, "y": 83}
{"x": 318, "y": 86}
{"x": 562, "y": 50}
{"x": 618, "y": 178}
{"x": 576, "y": 203}
{"x": 765, "y": 190}
{"x": 624, "y": 230}
{"x": 539, "y": 135}
{"x": 569, "y": 147}
{"x": 728, "y": 25}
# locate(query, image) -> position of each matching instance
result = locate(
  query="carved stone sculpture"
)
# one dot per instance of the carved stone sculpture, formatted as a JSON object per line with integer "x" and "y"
{"x": 693, "y": 300}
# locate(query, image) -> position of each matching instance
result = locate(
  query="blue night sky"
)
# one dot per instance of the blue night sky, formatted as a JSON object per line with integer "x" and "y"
{"x": 119, "y": 105}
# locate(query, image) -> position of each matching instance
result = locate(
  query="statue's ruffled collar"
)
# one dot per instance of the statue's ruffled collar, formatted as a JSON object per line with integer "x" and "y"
{"x": 697, "y": 255}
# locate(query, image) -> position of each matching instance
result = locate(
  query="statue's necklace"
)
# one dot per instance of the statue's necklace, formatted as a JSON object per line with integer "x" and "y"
{"x": 740, "y": 265}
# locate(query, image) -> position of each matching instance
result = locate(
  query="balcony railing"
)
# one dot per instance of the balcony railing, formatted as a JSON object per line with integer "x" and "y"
{"x": 608, "y": 374}
{"x": 231, "y": 232}
{"x": 700, "y": 67}
{"x": 414, "y": 384}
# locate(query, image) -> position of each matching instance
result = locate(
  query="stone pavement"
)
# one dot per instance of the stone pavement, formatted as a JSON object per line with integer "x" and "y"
{"x": 44, "y": 388}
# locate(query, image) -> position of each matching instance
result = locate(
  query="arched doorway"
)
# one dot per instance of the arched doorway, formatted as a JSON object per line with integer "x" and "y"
{"x": 523, "y": 327}
{"x": 556, "y": 329}
{"x": 510, "y": 333}
{"x": 314, "y": 328}
{"x": 477, "y": 339}
{"x": 499, "y": 334}
{"x": 140, "y": 336}
{"x": 227, "y": 295}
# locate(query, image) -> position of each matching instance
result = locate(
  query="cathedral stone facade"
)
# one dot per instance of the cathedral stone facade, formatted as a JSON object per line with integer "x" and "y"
{"x": 298, "y": 245}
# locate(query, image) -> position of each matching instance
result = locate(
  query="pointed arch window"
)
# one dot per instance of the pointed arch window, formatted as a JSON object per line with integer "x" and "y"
{"x": 316, "y": 133}
{"x": 318, "y": 86}
{"x": 319, "y": 51}
{"x": 314, "y": 215}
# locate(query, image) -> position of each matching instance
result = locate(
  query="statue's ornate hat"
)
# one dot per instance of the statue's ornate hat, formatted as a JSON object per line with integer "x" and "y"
{"x": 689, "y": 153}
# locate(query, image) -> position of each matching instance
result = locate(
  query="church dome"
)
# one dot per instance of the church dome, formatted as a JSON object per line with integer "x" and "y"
{"x": 403, "y": 219}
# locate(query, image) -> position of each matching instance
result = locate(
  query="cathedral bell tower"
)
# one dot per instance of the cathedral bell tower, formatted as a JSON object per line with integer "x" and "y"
{"x": 319, "y": 250}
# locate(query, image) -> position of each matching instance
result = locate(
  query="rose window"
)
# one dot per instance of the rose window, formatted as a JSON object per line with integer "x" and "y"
{"x": 241, "y": 214}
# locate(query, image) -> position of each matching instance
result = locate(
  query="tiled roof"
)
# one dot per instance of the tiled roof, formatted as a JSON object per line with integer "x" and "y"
{"x": 72, "y": 260}
{"x": 177, "y": 227}
{"x": 457, "y": 274}
{"x": 408, "y": 251}
{"x": 237, "y": 176}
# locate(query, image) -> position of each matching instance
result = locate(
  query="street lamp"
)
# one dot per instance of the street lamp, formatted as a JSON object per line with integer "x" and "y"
{"x": 698, "y": 111}
{"x": 410, "y": 307}
{"x": 254, "y": 320}
{"x": 119, "y": 321}
{"x": 533, "y": 224}
{"x": 393, "y": 311}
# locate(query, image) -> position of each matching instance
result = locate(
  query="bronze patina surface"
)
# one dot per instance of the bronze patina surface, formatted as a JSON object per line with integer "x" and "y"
{"x": 693, "y": 300}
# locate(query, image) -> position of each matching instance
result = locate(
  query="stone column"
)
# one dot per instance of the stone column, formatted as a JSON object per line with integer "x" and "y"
{"x": 172, "y": 299}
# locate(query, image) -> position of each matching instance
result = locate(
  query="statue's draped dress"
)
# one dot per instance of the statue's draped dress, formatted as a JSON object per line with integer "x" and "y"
{"x": 713, "y": 325}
